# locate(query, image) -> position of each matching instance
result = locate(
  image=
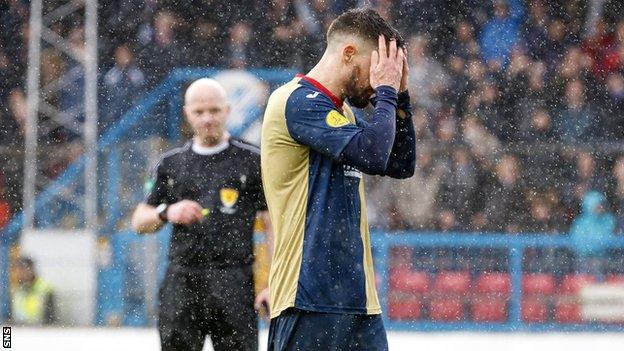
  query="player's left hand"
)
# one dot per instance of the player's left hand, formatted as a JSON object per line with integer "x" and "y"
{"x": 405, "y": 74}
{"x": 261, "y": 304}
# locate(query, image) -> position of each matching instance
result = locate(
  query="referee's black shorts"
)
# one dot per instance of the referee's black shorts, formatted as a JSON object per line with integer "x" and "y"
{"x": 215, "y": 302}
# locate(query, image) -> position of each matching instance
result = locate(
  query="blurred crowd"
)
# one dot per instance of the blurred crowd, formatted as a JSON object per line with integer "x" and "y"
{"x": 518, "y": 104}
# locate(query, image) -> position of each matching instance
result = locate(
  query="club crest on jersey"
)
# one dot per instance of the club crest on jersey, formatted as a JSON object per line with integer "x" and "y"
{"x": 228, "y": 197}
{"x": 335, "y": 119}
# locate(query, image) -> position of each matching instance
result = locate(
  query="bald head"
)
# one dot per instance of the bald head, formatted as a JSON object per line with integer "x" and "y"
{"x": 206, "y": 108}
{"x": 204, "y": 89}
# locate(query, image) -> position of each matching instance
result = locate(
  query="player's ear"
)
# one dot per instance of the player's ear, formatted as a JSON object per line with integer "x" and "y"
{"x": 348, "y": 53}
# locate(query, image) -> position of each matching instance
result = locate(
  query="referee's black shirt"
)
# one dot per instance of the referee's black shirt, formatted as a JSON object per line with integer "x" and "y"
{"x": 228, "y": 183}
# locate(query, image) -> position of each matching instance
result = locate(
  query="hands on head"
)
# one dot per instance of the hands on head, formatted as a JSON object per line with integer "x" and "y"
{"x": 389, "y": 65}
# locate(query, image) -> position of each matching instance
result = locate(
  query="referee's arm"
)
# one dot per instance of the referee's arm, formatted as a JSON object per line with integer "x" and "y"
{"x": 146, "y": 217}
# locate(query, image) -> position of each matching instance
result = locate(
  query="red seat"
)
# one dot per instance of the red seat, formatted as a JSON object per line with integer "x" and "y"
{"x": 493, "y": 283}
{"x": 538, "y": 283}
{"x": 448, "y": 308}
{"x": 489, "y": 309}
{"x": 534, "y": 310}
{"x": 567, "y": 312}
{"x": 408, "y": 281}
{"x": 615, "y": 279}
{"x": 452, "y": 282}
{"x": 408, "y": 308}
{"x": 571, "y": 284}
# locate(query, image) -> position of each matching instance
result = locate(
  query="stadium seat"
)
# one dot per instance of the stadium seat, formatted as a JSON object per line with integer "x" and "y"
{"x": 452, "y": 282}
{"x": 406, "y": 308}
{"x": 489, "y": 309}
{"x": 615, "y": 279}
{"x": 538, "y": 283}
{"x": 567, "y": 312}
{"x": 409, "y": 281}
{"x": 447, "y": 308}
{"x": 493, "y": 283}
{"x": 571, "y": 284}
{"x": 534, "y": 310}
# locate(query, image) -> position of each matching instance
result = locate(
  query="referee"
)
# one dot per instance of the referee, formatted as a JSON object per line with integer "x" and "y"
{"x": 210, "y": 190}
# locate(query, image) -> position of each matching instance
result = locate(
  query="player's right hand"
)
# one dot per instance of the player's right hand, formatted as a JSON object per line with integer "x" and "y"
{"x": 386, "y": 64}
{"x": 185, "y": 212}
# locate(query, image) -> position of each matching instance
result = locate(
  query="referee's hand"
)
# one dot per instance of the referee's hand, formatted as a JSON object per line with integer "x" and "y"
{"x": 185, "y": 212}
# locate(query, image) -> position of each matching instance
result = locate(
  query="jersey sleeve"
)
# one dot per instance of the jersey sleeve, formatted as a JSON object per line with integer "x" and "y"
{"x": 313, "y": 120}
{"x": 157, "y": 188}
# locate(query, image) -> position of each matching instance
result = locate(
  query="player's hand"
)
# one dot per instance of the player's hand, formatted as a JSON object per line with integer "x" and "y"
{"x": 261, "y": 304}
{"x": 405, "y": 73}
{"x": 386, "y": 64}
{"x": 185, "y": 212}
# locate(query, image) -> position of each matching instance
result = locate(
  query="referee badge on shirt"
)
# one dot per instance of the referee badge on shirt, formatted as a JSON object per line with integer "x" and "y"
{"x": 229, "y": 197}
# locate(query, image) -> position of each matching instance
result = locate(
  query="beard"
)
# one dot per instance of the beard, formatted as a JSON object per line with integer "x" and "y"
{"x": 357, "y": 97}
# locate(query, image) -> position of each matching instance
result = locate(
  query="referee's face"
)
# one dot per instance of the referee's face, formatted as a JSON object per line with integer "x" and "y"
{"x": 207, "y": 115}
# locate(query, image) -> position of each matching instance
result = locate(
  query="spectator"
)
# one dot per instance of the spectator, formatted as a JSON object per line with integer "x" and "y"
{"x": 32, "y": 299}
{"x": 591, "y": 232}
{"x": 123, "y": 84}
{"x": 537, "y": 127}
{"x": 576, "y": 121}
{"x": 428, "y": 78}
{"x": 465, "y": 46}
{"x": 544, "y": 216}
{"x": 613, "y": 107}
{"x": 162, "y": 52}
{"x": 415, "y": 197}
{"x": 617, "y": 192}
{"x": 284, "y": 29}
{"x": 209, "y": 45}
{"x": 505, "y": 207}
{"x": 15, "y": 121}
{"x": 585, "y": 177}
{"x": 458, "y": 191}
{"x": 535, "y": 30}
{"x": 5, "y": 206}
{"x": 501, "y": 33}
{"x": 239, "y": 49}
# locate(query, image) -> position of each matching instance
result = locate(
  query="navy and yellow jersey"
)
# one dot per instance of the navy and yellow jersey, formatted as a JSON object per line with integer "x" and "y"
{"x": 312, "y": 178}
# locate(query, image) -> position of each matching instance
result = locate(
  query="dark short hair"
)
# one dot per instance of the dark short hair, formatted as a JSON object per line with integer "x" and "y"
{"x": 365, "y": 23}
{"x": 25, "y": 261}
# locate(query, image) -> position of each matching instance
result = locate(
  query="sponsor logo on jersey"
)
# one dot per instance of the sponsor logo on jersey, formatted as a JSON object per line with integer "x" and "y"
{"x": 335, "y": 119}
{"x": 350, "y": 171}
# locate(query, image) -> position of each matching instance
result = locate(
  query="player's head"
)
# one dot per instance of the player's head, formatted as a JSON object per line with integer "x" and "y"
{"x": 351, "y": 38}
{"x": 206, "y": 108}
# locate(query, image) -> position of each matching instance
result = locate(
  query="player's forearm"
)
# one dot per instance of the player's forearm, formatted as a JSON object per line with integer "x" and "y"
{"x": 370, "y": 149}
{"x": 402, "y": 160}
{"x": 145, "y": 219}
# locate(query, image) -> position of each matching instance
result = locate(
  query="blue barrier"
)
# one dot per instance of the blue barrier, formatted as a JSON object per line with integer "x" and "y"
{"x": 515, "y": 244}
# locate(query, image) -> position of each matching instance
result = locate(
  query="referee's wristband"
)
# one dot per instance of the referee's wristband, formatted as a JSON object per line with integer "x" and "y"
{"x": 162, "y": 212}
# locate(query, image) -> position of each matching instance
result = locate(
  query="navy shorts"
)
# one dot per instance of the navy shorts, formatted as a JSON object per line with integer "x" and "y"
{"x": 298, "y": 330}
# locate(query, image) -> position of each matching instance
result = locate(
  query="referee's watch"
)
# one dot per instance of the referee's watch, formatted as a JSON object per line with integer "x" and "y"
{"x": 162, "y": 212}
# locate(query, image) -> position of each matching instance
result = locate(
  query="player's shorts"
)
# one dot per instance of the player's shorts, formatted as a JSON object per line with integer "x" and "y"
{"x": 298, "y": 330}
{"x": 212, "y": 302}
